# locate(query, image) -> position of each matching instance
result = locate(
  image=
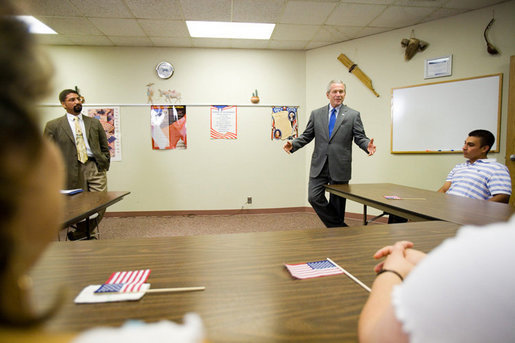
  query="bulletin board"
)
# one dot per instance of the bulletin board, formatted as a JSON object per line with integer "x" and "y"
{"x": 437, "y": 117}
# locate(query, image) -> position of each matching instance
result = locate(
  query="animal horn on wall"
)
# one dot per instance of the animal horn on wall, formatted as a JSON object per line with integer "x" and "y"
{"x": 489, "y": 47}
{"x": 412, "y": 46}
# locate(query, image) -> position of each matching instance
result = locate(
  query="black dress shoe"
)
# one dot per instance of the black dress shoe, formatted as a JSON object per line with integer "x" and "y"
{"x": 75, "y": 236}
{"x": 70, "y": 236}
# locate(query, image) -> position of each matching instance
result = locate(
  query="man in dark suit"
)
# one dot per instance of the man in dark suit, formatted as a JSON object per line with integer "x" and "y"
{"x": 83, "y": 144}
{"x": 333, "y": 127}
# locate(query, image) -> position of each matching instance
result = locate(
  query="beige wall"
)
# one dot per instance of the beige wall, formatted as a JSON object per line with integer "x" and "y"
{"x": 382, "y": 59}
{"x": 210, "y": 174}
{"x": 221, "y": 174}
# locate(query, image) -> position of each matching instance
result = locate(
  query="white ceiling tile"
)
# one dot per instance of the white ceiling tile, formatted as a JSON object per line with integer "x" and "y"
{"x": 317, "y": 44}
{"x": 354, "y": 14}
{"x": 208, "y": 10}
{"x": 443, "y": 13}
{"x": 164, "y": 28}
{"x": 53, "y": 40}
{"x": 395, "y": 16}
{"x": 471, "y": 4}
{"x": 172, "y": 41}
{"x": 211, "y": 43}
{"x": 118, "y": 27}
{"x": 288, "y": 45}
{"x": 103, "y": 8}
{"x": 421, "y": 3}
{"x": 300, "y": 12}
{"x": 47, "y": 7}
{"x": 369, "y": 31}
{"x": 319, "y": 0}
{"x": 307, "y": 23}
{"x": 131, "y": 41}
{"x": 257, "y": 11}
{"x": 71, "y": 25}
{"x": 91, "y": 40}
{"x": 250, "y": 43}
{"x": 294, "y": 32}
{"x": 376, "y": 2}
{"x": 169, "y": 9}
{"x": 335, "y": 33}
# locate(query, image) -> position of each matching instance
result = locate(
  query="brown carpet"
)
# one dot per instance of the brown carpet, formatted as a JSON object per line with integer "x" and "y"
{"x": 190, "y": 225}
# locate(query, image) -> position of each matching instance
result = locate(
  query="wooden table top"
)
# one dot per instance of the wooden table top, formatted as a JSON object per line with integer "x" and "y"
{"x": 81, "y": 205}
{"x": 249, "y": 294}
{"x": 434, "y": 206}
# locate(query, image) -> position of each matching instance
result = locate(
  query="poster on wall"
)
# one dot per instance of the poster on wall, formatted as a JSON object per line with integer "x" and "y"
{"x": 168, "y": 127}
{"x": 284, "y": 123}
{"x": 110, "y": 119}
{"x": 224, "y": 122}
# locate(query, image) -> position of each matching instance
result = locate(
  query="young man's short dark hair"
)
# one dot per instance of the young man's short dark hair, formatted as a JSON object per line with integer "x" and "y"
{"x": 485, "y": 136}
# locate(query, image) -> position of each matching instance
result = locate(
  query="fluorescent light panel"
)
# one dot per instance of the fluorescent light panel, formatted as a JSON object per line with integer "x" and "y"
{"x": 218, "y": 29}
{"x": 35, "y": 26}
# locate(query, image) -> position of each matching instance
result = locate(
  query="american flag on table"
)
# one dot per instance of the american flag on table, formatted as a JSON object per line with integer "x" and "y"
{"x": 313, "y": 269}
{"x": 124, "y": 282}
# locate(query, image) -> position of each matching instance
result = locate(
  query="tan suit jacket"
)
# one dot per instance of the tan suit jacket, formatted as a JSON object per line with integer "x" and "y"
{"x": 60, "y": 132}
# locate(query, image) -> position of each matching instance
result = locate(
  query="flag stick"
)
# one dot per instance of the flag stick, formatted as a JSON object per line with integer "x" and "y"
{"x": 356, "y": 280}
{"x": 171, "y": 290}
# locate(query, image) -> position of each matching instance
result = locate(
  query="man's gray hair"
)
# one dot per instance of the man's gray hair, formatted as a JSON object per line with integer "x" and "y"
{"x": 340, "y": 82}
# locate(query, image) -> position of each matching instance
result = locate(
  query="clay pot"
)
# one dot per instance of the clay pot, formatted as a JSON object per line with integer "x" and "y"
{"x": 254, "y": 99}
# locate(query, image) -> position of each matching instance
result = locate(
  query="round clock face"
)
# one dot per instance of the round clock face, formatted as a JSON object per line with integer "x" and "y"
{"x": 164, "y": 70}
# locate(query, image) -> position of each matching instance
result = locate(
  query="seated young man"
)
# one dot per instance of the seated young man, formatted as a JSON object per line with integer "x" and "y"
{"x": 479, "y": 177}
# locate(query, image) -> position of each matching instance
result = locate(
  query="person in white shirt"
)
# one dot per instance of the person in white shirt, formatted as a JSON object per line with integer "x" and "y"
{"x": 462, "y": 291}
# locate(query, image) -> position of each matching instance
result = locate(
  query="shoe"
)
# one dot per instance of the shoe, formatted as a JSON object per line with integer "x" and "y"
{"x": 75, "y": 236}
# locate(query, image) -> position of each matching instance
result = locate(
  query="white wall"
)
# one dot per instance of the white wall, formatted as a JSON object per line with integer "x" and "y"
{"x": 382, "y": 59}
{"x": 210, "y": 174}
{"x": 221, "y": 174}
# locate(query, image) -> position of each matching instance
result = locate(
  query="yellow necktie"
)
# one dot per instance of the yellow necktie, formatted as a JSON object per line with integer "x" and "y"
{"x": 79, "y": 142}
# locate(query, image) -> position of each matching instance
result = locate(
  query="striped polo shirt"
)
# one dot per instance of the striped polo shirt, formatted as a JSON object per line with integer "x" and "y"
{"x": 479, "y": 180}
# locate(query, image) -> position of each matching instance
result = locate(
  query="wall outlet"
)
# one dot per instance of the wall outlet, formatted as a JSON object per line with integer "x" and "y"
{"x": 249, "y": 200}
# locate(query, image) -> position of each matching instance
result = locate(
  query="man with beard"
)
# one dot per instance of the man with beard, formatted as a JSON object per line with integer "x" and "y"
{"x": 83, "y": 143}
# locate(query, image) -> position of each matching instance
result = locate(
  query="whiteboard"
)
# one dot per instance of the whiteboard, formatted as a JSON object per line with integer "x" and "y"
{"x": 437, "y": 117}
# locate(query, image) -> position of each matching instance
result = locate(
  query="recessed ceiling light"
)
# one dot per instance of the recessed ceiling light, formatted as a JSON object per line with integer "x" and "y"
{"x": 35, "y": 26}
{"x": 218, "y": 29}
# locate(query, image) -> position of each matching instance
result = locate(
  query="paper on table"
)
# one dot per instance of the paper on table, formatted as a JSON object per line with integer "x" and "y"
{"x": 88, "y": 295}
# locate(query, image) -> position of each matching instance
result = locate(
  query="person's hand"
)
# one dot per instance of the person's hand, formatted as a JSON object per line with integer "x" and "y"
{"x": 371, "y": 147}
{"x": 287, "y": 147}
{"x": 399, "y": 257}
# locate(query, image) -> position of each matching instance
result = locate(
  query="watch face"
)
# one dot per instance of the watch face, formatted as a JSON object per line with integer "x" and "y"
{"x": 164, "y": 70}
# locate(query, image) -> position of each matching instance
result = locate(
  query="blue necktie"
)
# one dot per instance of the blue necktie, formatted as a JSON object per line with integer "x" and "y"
{"x": 332, "y": 120}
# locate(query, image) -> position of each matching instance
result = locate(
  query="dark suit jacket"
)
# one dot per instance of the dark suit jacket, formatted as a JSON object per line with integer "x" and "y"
{"x": 60, "y": 132}
{"x": 337, "y": 148}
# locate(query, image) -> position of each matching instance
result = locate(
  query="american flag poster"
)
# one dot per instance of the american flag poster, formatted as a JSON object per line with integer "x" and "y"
{"x": 310, "y": 270}
{"x": 224, "y": 122}
{"x": 122, "y": 282}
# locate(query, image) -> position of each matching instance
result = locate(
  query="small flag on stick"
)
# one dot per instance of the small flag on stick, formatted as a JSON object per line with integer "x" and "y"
{"x": 396, "y": 197}
{"x": 124, "y": 282}
{"x": 313, "y": 269}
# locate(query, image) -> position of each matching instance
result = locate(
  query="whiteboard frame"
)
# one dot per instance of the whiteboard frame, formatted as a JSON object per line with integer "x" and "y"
{"x": 476, "y": 98}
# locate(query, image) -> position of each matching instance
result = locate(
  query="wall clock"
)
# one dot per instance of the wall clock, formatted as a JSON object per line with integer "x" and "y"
{"x": 164, "y": 70}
